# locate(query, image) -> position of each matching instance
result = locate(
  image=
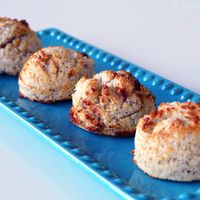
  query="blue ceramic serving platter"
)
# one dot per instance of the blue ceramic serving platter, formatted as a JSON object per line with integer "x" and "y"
{"x": 108, "y": 158}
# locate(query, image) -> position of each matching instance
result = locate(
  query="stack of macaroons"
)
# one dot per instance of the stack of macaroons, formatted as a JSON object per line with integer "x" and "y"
{"x": 167, "y": 142}
{"x": 110, "y": 103}
{"x": 17, "y": 43}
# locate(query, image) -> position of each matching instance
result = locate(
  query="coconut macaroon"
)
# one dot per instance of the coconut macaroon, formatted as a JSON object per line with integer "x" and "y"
{"x": 110, "y": 103}
{"x": 167, "y": 142}
{"x": 17, "y": 43}
{"x": 51, "y": 74}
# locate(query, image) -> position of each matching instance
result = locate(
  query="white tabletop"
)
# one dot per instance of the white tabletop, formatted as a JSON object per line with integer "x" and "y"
{"x": 161, "y": 36}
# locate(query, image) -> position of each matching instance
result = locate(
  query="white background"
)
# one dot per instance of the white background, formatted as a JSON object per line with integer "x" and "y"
{"x": 162, "y": 36}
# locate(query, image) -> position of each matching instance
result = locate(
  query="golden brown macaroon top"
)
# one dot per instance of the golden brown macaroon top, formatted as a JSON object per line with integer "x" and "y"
{"x": 51, "y": 67}
{"x": 12, "y": 29}
{"x": 5, "y": 21}
{"x": 109, "y": 86}
{"x": 172, "y": 118}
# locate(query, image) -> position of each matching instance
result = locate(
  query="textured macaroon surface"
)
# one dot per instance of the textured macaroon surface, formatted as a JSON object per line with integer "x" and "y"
{"x": 17, "y": 43}
{"x": 51, "y": 74}
{"x": 110, "y": 103}
{"x": 167, "y": 142}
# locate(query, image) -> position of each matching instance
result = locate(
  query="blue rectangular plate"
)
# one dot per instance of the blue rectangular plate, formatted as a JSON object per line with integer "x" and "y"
{"x": 108, "y": 158}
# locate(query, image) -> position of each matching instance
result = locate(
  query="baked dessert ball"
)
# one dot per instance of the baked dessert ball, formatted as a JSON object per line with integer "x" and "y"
{"x": 17, "y": 43}
{"x": 110, "y": 103}
{"x": 51, "y": 74}
{"x": 167, "y": 142}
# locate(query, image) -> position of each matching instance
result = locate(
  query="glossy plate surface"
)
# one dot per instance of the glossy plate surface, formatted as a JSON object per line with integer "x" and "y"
{"x": 106, "y": 157}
